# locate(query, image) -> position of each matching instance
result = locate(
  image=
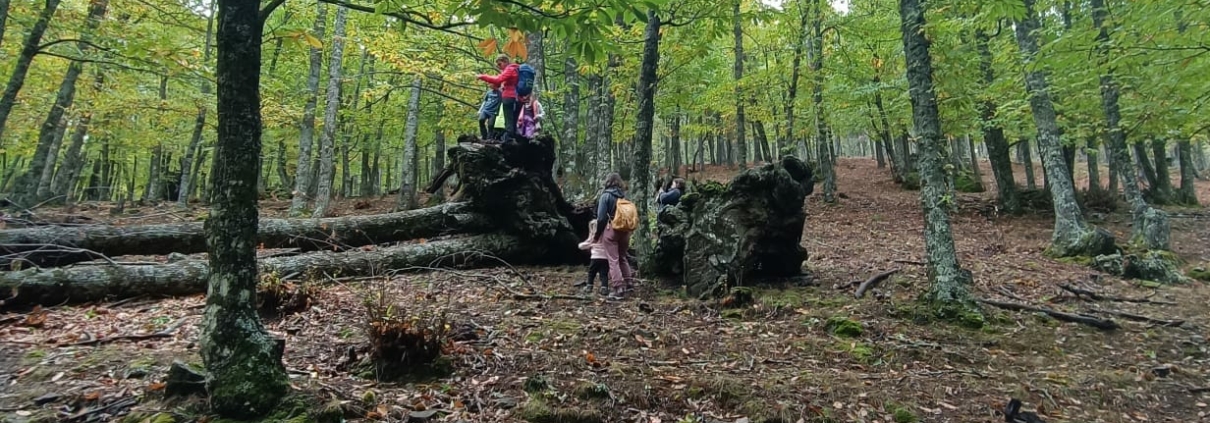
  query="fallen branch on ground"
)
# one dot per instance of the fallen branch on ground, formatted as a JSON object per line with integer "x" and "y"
{"x": 873, "y": 282}
{"x": 1084, "y": 293}
{"x": 1103, "y": 324}
{"x": 1141, "y": 318}
{"x": 164, "y": 333}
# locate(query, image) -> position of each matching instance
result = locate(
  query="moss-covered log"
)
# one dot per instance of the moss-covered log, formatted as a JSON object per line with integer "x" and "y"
{"x": 50, "y": 246}
{"x": 734, "y": 234}
{"x": 84, "y": 283}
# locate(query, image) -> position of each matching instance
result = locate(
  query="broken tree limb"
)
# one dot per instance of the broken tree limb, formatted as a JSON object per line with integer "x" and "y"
{"x": 873, "y": 282}
{"x": 1103, "y": 324}
{"x": 188, "y": 277}
{"x": 1084, "y": 293}
{"x": 58, "y": 246}
{"x": 1141, "y": 318}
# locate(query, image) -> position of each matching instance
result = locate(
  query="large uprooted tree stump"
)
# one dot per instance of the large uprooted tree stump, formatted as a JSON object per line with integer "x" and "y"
{"x": 507, "y": 207}
{"x": 750, "y": 229}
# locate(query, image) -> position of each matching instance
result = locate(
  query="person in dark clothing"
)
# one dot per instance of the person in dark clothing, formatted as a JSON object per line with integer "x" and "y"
{"x": 672, "y": 196}
{"x": 617, "y": 243}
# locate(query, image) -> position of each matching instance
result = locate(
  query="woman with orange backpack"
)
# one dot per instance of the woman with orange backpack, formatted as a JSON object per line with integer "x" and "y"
{"x": 617, "y": 217}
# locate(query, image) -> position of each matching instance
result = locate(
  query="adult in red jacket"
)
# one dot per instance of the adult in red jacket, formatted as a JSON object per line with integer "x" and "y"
{"x": 507, "y": 80}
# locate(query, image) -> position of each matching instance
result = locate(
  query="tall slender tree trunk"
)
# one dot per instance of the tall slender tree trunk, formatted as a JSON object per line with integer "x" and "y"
{"x": 155, "y": 168}
{"x": 597, "y": 159}
{"x": 188, "y": 180}
{"x": 795, "y": 71}
{"x": 571, "y": 117}
{"x": 737, "y": 73}
{"x": 949, "y": 281}
{"x": 302, "y": 177}
{"x": 29, "y": 49}
{"x": 1150, "y": 226}
{"x": 644, "y": 126}
{"x": 1072, "y": 236}
{"x": 1094, "y": 166}
{"x": 1027, "y": 159}
{"x": 975, "y": 170}
{"x": 48, "y": 171}
{"x": 327, "y": 139}
{"x": 408, "y": 174}
{"x": 1162, "y": 191}
{"x": 827, "y": 160}
{"x": 73, "y": 161}
{"x": 1187, "y": 194}
{"x": 34, "y": 185}
{"x": 3, "y": 18}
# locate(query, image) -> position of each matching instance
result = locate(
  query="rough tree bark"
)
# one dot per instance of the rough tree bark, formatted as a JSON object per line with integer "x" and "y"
{"x": 644, "y": 126}
{"x": 87, "y": 243}
{"x": 826, "y": 164}
{"x": 327, "y": 139}
{"x": 723, "y": 236}
{"x": 246, "y": 375}
{"x": 1072, "y": 236}
{"x": 949, "y": 281}
{"x": 16, "y": 80}
{"x": 1150, "y": 226}
{"x": 302, "y": 177}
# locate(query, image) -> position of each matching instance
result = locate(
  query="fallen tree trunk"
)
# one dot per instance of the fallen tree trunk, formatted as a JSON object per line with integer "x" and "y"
{"x": 52, "y": 246}
{"x": 188, "y": 277}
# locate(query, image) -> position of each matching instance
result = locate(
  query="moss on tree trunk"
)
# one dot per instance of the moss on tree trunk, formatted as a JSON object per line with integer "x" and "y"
{"x": 721, "y": 236}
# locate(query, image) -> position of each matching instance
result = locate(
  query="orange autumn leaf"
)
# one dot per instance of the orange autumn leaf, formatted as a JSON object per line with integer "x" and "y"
{"x": 156, "y": 386}
{"x": 515, "y": 49}
{"x": 592, "y": 359}
{"x": 92, "y": 396}
{"x": 488, "y": 46}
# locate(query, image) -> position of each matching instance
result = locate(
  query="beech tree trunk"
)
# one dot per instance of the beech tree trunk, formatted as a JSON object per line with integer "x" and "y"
{"x": 571, "y": 120}
{"x": 1150, "y": 226}
{"x": 188, "y": 181}
{"x": 1072, "y": 236}
{"x": 1187, "y": 194}
{"x": 16, "y": 80}
{"x": 246, "y": 376}
{"x": 1162, "y": 191}
{"x": 949, "y": 282}
{"x": 302, "y": 177}
{"x": 34, "y": 186}
{"x": 3, "y": 18}
{"x": 327, "y": 140}
{"x": 644, "y": 126}
{"x": 826, "y": 161}
{"x": 408, "y": 172}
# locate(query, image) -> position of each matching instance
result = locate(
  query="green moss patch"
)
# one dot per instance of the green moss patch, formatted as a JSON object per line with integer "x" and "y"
{"x": 843, "y": 327}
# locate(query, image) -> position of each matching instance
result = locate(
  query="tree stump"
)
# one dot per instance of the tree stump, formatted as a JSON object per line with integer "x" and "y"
{"x": 750, "y": 229}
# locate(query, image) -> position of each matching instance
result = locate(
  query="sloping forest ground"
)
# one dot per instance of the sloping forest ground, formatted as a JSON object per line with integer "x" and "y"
{"x": 807, "y": 353}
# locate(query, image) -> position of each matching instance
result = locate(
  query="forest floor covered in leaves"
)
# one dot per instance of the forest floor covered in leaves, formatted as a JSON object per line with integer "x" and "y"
{"x": 810, "y": 352}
